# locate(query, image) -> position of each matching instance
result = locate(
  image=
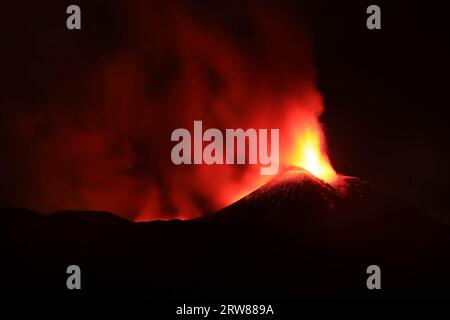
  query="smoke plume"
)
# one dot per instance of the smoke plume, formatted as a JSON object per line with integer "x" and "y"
{"x": 239, "y": 65}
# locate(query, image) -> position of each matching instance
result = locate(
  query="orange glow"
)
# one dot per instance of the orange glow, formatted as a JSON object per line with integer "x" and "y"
{"x": 310, "y": 154}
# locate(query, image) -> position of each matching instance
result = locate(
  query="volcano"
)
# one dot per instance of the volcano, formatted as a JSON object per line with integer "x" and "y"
{"x": 296, "y": 237}
{"x": 298, "y": 201}
{"x": 285, "y": 200}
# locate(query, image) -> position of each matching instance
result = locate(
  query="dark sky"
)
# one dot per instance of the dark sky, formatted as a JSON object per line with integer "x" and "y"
{"x": 385, "y": 91}
{"x": 386, "y": 97}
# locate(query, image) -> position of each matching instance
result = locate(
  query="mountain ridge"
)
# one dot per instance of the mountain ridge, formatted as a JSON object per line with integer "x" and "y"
{"x": 294, "y": 238}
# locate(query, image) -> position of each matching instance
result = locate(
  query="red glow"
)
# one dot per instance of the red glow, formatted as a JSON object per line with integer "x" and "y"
{"x": 310, "y": 152}
{"x": 109, "y": 149}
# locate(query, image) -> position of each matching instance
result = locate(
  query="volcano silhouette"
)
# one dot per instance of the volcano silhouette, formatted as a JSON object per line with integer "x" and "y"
{"x": 295, "y": 237}
{"x": 298, "y": 201}
{"x": 290, "y": 199}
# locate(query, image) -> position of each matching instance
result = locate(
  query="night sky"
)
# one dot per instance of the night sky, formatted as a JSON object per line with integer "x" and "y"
{"x": 77, "y": 105}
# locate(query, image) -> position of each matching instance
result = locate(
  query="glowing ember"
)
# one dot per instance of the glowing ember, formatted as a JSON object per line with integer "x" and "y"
{"x": 310, "y": 155}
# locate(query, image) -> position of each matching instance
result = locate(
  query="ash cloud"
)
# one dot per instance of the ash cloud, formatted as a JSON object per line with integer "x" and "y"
{"x": 101, "y": 141}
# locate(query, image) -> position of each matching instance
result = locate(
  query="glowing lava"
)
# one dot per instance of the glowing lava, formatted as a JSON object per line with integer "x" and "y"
{"x": 310, "y": 154}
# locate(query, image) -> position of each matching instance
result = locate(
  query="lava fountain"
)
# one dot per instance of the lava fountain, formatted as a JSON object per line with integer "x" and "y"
{"x": 304, "y": 143}
{"x": 310, "y": 154}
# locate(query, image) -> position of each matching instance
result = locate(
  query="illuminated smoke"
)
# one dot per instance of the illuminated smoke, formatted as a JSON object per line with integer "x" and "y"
{"x": 248, "y": 66}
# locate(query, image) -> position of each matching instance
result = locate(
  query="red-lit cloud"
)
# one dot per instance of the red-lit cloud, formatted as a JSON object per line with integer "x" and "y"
{"x": 244, "y": 67}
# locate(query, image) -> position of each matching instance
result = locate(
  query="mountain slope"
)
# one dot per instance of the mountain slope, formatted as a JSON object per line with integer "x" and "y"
{"x": 294, "y": 238}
